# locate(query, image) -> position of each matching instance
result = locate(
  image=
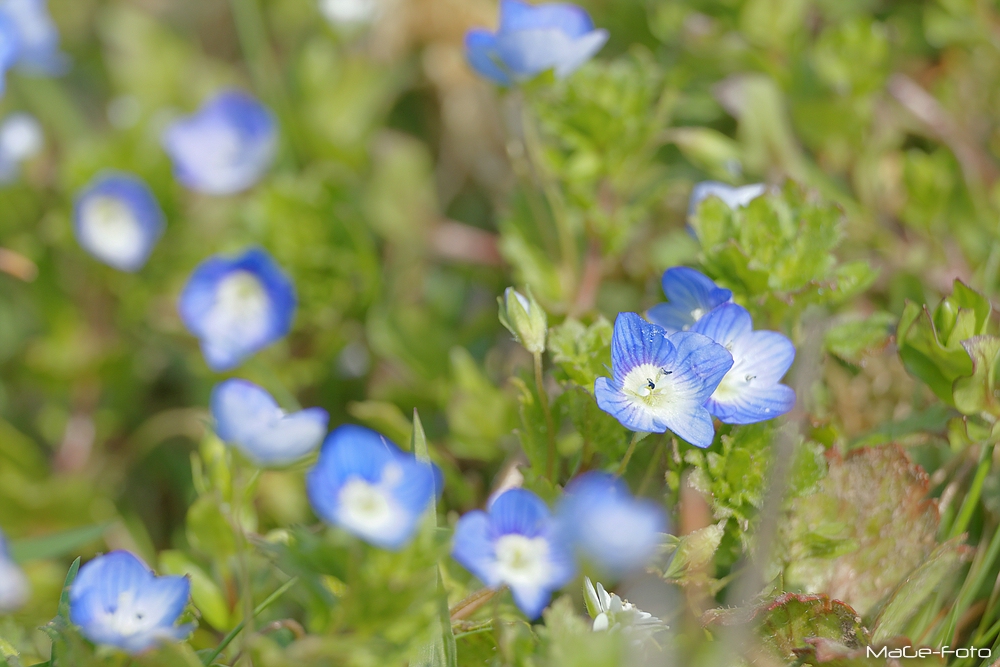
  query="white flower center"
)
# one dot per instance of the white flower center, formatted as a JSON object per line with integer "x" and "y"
{"x": 736, "y": 381}
{"x": 367, "y": 508}
{"x": 130, "y": 616}
{"x": 649, "y": 386}
{"x": 110, "y": 230}
{"x": 522, "y": 560}
{"x": 241, "y": 307}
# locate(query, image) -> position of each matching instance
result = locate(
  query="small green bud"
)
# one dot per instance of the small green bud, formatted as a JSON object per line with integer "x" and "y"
{"x": 524, "y": 317}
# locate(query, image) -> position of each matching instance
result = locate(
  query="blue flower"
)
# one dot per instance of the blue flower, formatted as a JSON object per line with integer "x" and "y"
{"x": 617, "y": 532}
{"x": 532, "y": 40}
{"x": 517, "y": 544}
{"x": 249, "y": 418}
{"x": 750, "y": 392}
{"x": 237, "y": 306}
{"x": 734, "y": 197}
{"x": 116, "y": 600}
{"x": 117, "y": 219}
{"x": 367, "y": 486}
{"x": 690, "y": 294}
{"x": 37, "y": 37}
{"x": 661, "y": 382}
{"x": 21, "y": 138}
{"x": 14, "y": 588}
{"x": 10, "y": 43}
{"x": 225, "y": 147}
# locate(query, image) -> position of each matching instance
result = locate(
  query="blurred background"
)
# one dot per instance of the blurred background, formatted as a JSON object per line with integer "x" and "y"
{"x": 401, "y": 205}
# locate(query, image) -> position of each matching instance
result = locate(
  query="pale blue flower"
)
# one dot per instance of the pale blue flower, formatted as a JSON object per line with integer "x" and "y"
{"x": 247, "y": 417}
{"x": 733, "y": 196}
{"x": 117, "y": 601}
{"x": 364, "y": 484}
{"x": 37, "y": 37}
{"x": 751, "y": 390}
{"x": 225, "y": 147}
{"x": 611, "y": 528}
{"x": 14, "y": 589}
{"x": 21, "y": 138}
{"x": 532, "y": 39}
{"x": 690, "y": 295}
{"x": 661, "y": 382}
{"x": 517, "y": 544}
{"x": 237, "y": 306}
{"x": 117, "y": 219}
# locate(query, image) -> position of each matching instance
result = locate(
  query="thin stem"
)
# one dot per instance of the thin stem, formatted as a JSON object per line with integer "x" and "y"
{"x": 971, "y": 499}
{"x": 543, "y": 399}
{"x": 258, "y": 610}
{"x": 636, "y": 436}
{"x": 471, "y": 604}
{"x": 654, "y": 467}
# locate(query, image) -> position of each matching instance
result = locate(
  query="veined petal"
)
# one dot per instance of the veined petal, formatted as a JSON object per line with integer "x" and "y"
{"x": 768, "y": 354}
{"x": 698, "y": 365}
{"x": 763, "y": 403}
{"x": 519, "y": 511}
{"x": 690, "y": 295}
{"x": 612, "y": 400}
{"x": 481, "y": 52}
{"x": 636, "y": 342}
{"x": 695, "y": 426}
{"x": 726, "y": 324}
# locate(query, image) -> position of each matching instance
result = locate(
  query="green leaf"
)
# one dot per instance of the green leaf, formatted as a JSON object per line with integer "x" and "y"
{"x": 56, "y": 545}
{"x": 977, "y": 394}
{"x": 581, "y": 351}
{"x": 208, "y": 530}
{"x": 205, "y": 593}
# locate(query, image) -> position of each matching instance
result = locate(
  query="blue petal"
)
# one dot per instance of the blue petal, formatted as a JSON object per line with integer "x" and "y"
{"x": 618, "y": 532}
{"x": 734, "y": 197}
{"x": 10, "y": 43}
{"x": 289, "y": 438}
{"x": 527, "y": 53}
{"x": 225, "y": 147}
{"x": 225, "y": 344}
{"x": 725, "y": 325}
{"x": 531, "y": 600}
{"x": 123, "y": 239}
{"x": 38, "y": 37}
{"x": 750, "y": 392}
{"x": 634, "y": 342}
{"x": 690, "y": 295}
{"x": 519, "y": 511}
{"x": 481, "y": 52}
{"x": 699, "y": 364}
{"x": 765, "y": 402}
{"x": 418, "y": 485}
{"x": 769, "y": 354}
{"x": 568, "y": 19}
{"x": 474, "y": 547}
{"x": 240, "y": 409}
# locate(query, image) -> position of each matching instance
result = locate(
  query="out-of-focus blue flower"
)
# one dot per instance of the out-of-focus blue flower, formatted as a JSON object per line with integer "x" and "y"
{"x": 364, "y": 484}
{"x": 21, "y": 138}
{"x": 534, "y": 39}
{"x": 117, "y": 219}
{"x": 690, "y": 295}
{"x": 117, "y": 601}
{"x": 612, "y": 529}
{"x": 14, "y": 588}
{"x": 37, "y": 37}
{"x": 518, "y": 544}
{"x": 225, "y": 147}
{"x": 661, "y": 383}
{"x": 750, "y": 392}
{"x": 237, "y": 306}
{"x": 10, "y": 43}
{"x": 248, "y": 417}
{"x": 733, "y": 196}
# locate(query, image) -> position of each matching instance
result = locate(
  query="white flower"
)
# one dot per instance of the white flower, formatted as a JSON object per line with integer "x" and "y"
{"x": 613, "y": 614}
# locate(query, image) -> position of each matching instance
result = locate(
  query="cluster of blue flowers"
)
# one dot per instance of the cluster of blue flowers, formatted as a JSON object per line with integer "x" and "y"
{"x": 698, "y": 358}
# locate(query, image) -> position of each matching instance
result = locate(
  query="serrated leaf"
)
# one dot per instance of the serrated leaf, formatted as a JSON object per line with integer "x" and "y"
{"x": 853, "y": 339}
{"x": 582, "y": 351}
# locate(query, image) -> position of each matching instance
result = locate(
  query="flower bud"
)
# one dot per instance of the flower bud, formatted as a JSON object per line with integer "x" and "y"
{"x": 524, "y": 317}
